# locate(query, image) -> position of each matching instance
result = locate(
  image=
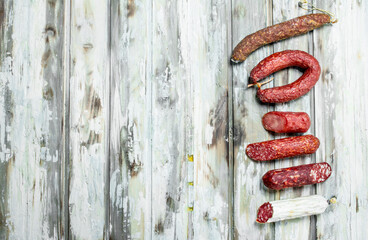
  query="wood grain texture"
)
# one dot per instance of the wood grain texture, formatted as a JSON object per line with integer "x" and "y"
{"x": 130, "y": 154}
{"x": 89, "y": 109}
{"x": 341, "y": 120}
{"x": 249, "y": 193}
{"x": 101, "y": 102}
{"x": 31, "y": 81}
{"x": 298, "y": 228}
{"x": 209, "y": 67}
{"x": 169, "y": 160}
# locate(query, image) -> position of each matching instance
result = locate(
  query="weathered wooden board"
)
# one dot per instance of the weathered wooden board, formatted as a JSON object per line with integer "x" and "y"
{"x": 89, "y": 118}
{"x": 31, "y": 111}
{"x": 341, "y": 120}
{"x": 209, "y": 34}
{"x": 130, "y": 141}
{"x": 249, "y": 193}
{"x": 169, "y": 161}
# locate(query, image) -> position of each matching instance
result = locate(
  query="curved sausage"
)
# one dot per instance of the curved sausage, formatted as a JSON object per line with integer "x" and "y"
{"x": 297, "y": 176}
{"x": 292, "y": 208}
{"x": 281, "y": 60}
{"x": 283, "y": 148}
{"x": 284, "y": 30}
{"x": 286, "y": 122}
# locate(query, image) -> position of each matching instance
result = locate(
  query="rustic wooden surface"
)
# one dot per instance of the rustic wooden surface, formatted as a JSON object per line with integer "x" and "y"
{"x": 104, "y": 105}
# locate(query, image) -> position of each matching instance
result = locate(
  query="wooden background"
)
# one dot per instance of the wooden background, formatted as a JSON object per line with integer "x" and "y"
{"x": 102, "y": 102}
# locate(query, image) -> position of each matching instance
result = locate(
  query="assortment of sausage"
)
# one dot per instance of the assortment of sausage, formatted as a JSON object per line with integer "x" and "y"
{"x": 286, "y": 122}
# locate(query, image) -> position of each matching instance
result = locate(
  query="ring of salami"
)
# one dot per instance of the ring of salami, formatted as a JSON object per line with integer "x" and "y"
{"x": 281, "y": 60}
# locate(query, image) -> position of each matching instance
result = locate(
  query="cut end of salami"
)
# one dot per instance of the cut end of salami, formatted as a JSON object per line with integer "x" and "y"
{"x": 274, "y": 122}
{"x": 265, "y": 212}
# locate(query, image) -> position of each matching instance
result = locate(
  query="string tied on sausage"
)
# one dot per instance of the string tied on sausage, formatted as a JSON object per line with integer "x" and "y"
{"x": 310, "y": 7}
{"x": 259, "y": 84}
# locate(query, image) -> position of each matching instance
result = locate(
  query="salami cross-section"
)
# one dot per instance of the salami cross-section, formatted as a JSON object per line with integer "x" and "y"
{"x": 281, "y": 60}
{"x": 286, "y": 122}
{"x": 292, "y": 208}
{"x": 283, "y": 148}
{"x": 297, "y": 176}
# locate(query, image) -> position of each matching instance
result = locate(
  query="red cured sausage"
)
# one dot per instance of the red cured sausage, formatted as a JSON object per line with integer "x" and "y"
{"x": 297, "y": 176}
{"x": 283, "y": 148}
{"x": 281, "y": 60}
{"x": 265, "y": 212}
{"x": 284, "y": 30}
{"x": 286, "y": 122}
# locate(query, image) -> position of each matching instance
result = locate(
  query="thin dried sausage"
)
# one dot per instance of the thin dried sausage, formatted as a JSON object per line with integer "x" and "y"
{"x": 284, "y": 30}
{"x": 286, "y": 122}
{"x": 282, "y": 148}
{"x": 281, "y": 60}
{"x": 292, "y": 208}
{"x": 298, "y": 176}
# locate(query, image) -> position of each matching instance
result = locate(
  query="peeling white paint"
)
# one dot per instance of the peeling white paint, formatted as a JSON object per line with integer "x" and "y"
{"x": 88, "y": 118}
{"x": 209, "y": 134}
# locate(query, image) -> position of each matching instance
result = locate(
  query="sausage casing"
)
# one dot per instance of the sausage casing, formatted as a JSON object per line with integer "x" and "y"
{"x": 284, "y": 30}
{"x": 291, "y": 208}
{"x": 286, "y": 122}
{"x": 282, "y": 148}
{"x": 297, "y": 176}
{"x": 281, "y": 60}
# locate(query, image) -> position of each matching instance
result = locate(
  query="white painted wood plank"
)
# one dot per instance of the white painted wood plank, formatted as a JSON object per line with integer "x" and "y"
{"x": 130, "y": 171}
{"x": 209, "y": 72}
{"x": 248, "y": 17}
{"x": 31, "y": 119}
{"x": 299, "y": 228}
{"x": 169, "y": 87}
{"x": 341, "y": 119}
{"x": 89, "y": 104}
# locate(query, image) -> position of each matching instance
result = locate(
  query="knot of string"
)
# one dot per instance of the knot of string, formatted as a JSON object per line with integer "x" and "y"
{"x": 310, "y": 7}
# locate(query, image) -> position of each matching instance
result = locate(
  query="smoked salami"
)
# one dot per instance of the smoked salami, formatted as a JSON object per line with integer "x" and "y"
{"x": 297, "y": 176}
{"x": 284, "y": 30}
{"x": 282, "y": 148}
